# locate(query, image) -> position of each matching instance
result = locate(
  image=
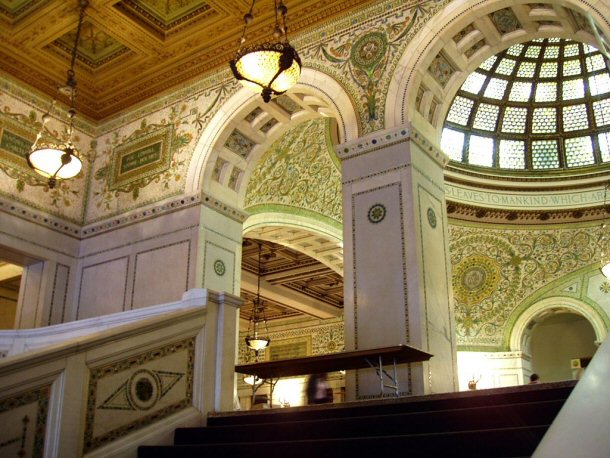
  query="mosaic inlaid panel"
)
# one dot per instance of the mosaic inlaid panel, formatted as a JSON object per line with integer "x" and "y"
{"x": 19, "y": 125}
{"x": 496, "y": 270}
{"x": 129, "y": 394}
{"x": 299, "y": 172}
{"x": 23, "y": 418}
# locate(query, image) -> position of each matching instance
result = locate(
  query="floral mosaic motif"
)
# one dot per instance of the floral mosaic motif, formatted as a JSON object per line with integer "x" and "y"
{"x": 219, "y": 267}
{"x": 495, "y": 271}
{"x": 505, "y": 20}
{"x": 174, "y": 171}
{"x": 605, "y": 287}
{"x": 366, "y": 60}
{"x": 431, "y": 218}
{"x": 39, "y": 399}
{"x": 299, "y": 173}
{"x": 376, "y": 213}
{"x": 399, "y": 23}
{"x": 441, "y": 69}
{"x": 240, "y": 144}
{"x": 288, "y": 104}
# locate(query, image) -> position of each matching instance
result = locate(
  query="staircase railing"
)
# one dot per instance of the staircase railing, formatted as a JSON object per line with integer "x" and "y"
{"x": 103, "y": 386}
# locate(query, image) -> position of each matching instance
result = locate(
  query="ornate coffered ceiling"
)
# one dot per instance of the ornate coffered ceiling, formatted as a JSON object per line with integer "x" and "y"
{"x": 131, "y": 50}
{"x": 292, "y": 283}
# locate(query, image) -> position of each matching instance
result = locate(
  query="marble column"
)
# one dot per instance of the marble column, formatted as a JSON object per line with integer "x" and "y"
{"x": 397, "y": 272}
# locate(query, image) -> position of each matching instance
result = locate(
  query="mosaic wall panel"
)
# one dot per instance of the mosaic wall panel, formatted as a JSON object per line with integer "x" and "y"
{"x": 309, "y": 339}
{"x": 300, "y": 173}
{"x": 127, "y": 395}
{"x": 362, "y": 51}
{"x": 143, "y": 157}
{"x": 23, "y": 418}
{"x": 496, "y": 270}
{"x": 19, "y": 124}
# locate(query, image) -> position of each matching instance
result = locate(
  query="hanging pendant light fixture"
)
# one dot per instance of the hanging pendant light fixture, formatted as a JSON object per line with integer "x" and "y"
{"x": 254, "y": 339}
{"x": 604, "y": 239}
{"x": 269, "y": 68}
{"x": 52, "y": 160}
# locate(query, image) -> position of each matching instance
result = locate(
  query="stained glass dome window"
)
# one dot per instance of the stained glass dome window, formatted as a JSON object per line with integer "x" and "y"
{"x": 540, "y": 105}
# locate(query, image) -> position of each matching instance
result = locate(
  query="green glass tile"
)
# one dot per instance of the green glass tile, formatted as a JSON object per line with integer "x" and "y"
{"x": 460, "y": 110}
{"x": 452, "y": 144}
{"x": 575, "y": 117}
{"x": 474, "y": 83}
{"x": 481, "y": 151}
{"x": 486, "y": 117}
{"x": 545, "y": 154}
{"x": 514, "y": 120}
{"x": 511, "y": 154}
{"x": 579, "y": 151}
{"x": 496, "y": 88}
{"x": 544, "y": 120}
{"x": 573, "y": 89}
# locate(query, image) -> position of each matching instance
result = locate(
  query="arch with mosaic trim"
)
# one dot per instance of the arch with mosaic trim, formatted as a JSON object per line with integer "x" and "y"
{"x": 244, "y": 128}
{"x": 521, "y": 329}
{"x": 453, "y": 45}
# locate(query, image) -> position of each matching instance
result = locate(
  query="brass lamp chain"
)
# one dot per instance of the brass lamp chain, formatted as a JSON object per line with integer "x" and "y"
{"x": 247, "y": 19}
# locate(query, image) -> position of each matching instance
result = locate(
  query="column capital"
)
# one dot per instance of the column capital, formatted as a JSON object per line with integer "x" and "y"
{"x": 388, "y": 137}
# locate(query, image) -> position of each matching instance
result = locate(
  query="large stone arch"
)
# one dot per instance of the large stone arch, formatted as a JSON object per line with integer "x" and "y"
{"x": 246, "y": 122}
{"x": 521, "y": 330}
{"x": 458, "y": 39}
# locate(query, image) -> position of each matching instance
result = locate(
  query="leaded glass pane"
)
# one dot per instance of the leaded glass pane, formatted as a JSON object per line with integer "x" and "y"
{"x": 520, "y": 92}
{"x": 533, "y": 52}
{"x": 551, "y": 52}
{"x": 601, "y": 110}
{"x": 489, "y": 63}
{"x": 520, "y": 109}
{"x": 460, "y": 110}
{"x": 514, "y": 120}
{"x": 506, "y": 67}
{"x": 571, "y": 68}
{"x": 486, "y": 117}
{"x": 512, "y": 154}
{"x": 496, "y": 88}
{"x": 545, "y": 154}
{"x": 452, "y": 143}
{"x": 595, "y": 62}
{"x": 579, "y": 151}
{"x": 474, "y": 83}
{"x": 575, "y": 117}
{"x": 573, "y": 89}
{"x": 599, "y": 84}
{"x": 546, "y": 92}
{"x": 604, "y": 146}
{"x": 481, "y": 151}
{"x": 515, "y": 50}
{"x": 544, "y": 120}
{"x": 548, "y": 70}
{"x": 526, "y": 69}
{"x": 570, "y": 50}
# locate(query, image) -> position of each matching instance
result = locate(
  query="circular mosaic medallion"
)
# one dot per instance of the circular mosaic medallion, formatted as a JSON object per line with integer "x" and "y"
{"x": 376, "y": 213}
{"x": 368, "y": 51}
{"x": 431, "y": 218}
{"x": 143, "y": 389}
{"x": 219, "y": 267}
{"x": 475, "y": 279}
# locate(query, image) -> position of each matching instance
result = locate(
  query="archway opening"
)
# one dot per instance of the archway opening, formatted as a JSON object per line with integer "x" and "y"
{"x": 559, "y": 345}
